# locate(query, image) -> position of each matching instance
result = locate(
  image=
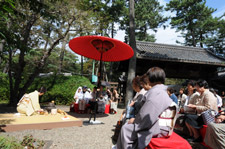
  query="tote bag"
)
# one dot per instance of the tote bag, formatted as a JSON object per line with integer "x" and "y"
{"x": 208, "y": 116}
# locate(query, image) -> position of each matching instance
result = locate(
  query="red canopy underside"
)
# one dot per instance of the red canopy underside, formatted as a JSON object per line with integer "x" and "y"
{"x": 83, "y": 46}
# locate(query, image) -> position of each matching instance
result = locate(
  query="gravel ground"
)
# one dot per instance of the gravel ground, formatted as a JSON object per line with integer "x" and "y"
{"x": 85, "y": 137}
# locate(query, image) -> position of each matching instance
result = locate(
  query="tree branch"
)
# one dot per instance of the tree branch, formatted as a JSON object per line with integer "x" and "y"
{"x": 42, "y": 62}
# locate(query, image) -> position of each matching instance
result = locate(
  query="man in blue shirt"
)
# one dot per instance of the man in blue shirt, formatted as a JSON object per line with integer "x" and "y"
{"x": 170, "y": 92}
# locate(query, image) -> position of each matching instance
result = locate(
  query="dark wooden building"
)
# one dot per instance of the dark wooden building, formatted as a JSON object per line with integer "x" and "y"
{"x": 177, "y": 61}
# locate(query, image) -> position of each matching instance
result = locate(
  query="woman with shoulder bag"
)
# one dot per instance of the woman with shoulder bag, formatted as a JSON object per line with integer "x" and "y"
{"x": 206, "y": 101}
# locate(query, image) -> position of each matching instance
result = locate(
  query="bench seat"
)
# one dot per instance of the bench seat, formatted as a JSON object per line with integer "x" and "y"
{"x": 173, "y": 142}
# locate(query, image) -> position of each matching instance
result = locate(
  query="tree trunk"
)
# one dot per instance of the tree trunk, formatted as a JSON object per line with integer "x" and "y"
{"x": 6, "y": 68}
{"x": 201, "y": 40}
{"x": 41, "y": 63}
{"x": 11, "y": 102}
{"x": 132, "y": 62}
{"x": 1, "y": 49}
{"x": 111, "y": 63}
{"x": 20, "y": 67}
{"x": 61, "y": 57}
{"x": 193, "y": 38}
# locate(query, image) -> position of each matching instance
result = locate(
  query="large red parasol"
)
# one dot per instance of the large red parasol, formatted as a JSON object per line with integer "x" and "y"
{"x": 101, "y": 48}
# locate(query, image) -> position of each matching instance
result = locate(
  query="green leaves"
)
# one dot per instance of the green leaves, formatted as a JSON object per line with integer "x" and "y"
{"x": 148, "y": 15}
{"x": 9, "y": 143}
{"x": 193, "y": 18}
{"x": 60, "y": 88}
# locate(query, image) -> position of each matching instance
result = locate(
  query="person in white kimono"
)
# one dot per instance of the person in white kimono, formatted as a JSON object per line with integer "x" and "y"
{"x": 78, "y": 94}
{"x": 29, "y": 103}
{"x": 87, "y": 96}
{"x": 83, "y": 101}
{"x": 146, "y": 123}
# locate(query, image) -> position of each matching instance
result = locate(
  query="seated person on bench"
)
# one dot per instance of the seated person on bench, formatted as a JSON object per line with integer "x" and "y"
{"x": 146, "y": 124}
{"x": 215, "y": 132}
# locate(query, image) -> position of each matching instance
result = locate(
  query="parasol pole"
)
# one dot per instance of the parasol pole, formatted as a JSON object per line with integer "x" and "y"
{"x": 99, "y": 85}
{"x": 100, "y": 69}
{"x": 93, "y": 67}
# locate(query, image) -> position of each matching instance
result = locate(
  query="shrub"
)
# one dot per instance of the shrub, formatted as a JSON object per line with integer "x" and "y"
{"x": 31, "y": 143}
{"x": 9, "y": 143}
{"x": 60, "y": 88}
{"x": 4, "y": 87}
{"x": 27, "y": 142}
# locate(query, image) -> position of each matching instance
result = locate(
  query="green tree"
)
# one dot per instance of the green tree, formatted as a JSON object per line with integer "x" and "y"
{"x": 35, "y": 24}
{"x": 193, "y": 18}
{"x": 70, "y": 62}
{"x": 104, "y": 12}
{"x": 216, "y": 38}
{"x": 148, "y": 16}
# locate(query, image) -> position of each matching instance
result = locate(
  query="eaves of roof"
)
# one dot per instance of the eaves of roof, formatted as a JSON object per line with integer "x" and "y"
{"x": 174, "y": 53}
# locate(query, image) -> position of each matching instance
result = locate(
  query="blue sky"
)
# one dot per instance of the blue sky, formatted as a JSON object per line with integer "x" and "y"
{"x": 169, "y": 36}
{"x": 217, "y": 4}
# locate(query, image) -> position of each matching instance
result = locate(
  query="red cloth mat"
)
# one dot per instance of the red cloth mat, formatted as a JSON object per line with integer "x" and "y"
{"x": 107, "y": 109}
{"x": 202, "y": 133}
{"x": 76, "y": 109}
{"x": 173, "y": 142}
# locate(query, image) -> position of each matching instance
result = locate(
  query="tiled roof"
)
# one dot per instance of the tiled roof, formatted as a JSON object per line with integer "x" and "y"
{"x": 165, "y": 52}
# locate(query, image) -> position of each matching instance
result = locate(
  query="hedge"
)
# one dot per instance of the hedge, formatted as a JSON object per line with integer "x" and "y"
{"x": 60, "y": 88}
{"x": 4, "y": 87}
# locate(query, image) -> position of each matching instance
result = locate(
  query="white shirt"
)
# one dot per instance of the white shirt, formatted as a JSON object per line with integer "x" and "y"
{"x": 87, "y": 96}
{"x": 219, "y": 101}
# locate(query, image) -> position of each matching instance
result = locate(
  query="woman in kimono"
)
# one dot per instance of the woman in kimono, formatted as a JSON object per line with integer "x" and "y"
{"x": 29, "y": 103}
{"x": 83, "y": 100}
{"x": 146, "y": 124}
{"x": 136, "y": 103}
{"x": 144, "y": 81}
{"x": 78, "y": 95}
{"x": 114, "y": 101}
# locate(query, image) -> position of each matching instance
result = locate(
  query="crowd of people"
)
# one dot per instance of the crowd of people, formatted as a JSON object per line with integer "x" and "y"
{"x": 144, "y": 112}
{"x": 96, "y": 99}
{"x": 200, "y": 99}
{"x": 142, "y": 120}
{"x": 144, "y": 117}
